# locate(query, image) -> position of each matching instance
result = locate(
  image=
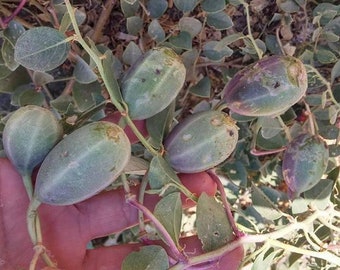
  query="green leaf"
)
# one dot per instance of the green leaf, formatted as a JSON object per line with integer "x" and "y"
{"x": 134, "y": 24}
{"x": 84, "y": 95}
{"x": 182, "y": 41}
{"x": 64, "y": 16}
{"x": 202, "y": 88}
{"x": 213, "y": 227}
{"x": 215, "y": 52}
{"x": 161, "y": 174}
{"x": 42, "y": 78}
{"x": 325, "y": 56}
{"x": 13, "y": 31}
{"x": 63, "y": 104}
{"x": 41, "y": 48}
{"x": 82, "y": 72}
{"x": 129, "y": 8}
{"x": 169, "y": 212}
{"x": 270, "y": 127}
{"x": 231, "y": 39}
{"x": 186, "y": 5}
{"x": 157, "y": 7}
{"x": 7, "y": 51}
{"x": 190, "y": 25}
{"x": 147, "y": 258}
{"x": 31, "y": 97}
{"x": 219, "y": 20}
{"x": 335, "y": 73}
{"x": 272, "y": 44}
{"x": 275, "y": 142}
{"x": 289, "y": 6}
{"x": 13, "y": 80}
{"x": 131, "y": 53}
{"x": 158, "y": 125}
{"x": 156, "y": 31}
{"x": 109, "y": 74}
{"x": 15, "y": 98}
{"x": 264, "y": 205}
{"x": 213, "y": 5}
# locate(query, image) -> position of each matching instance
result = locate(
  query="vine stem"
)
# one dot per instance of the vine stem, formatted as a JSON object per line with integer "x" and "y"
{"x": 131, "y": 199}
{"x": 27, "y": 179}
{"x": 250, "y": 36}
{"x": 270, "y": 238}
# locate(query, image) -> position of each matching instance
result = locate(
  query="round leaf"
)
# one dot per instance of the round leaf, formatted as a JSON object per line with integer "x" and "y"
{"x": 157, "y": 7}
{"x": 41, "y": 48}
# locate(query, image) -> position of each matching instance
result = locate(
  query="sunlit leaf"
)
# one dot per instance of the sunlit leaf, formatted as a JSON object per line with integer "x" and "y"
{"x": 213, "y": 227}
{"x": 319, "y": 195}
{"x": 215, "y": 52}
{"x": 169, "y": 212}
{"x": 265, "y": 259}
{"x": 264, "y": 205}
{"x": 41, "y": 48}
{"x": 270, "y": 127}
{"x": 147, "y": 258}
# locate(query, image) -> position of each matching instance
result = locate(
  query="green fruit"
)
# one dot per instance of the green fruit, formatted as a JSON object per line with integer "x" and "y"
{"x": 82, "y": 164}
{"x": 153, "y": 83}
{"x": 304, "y": 162}
{"x": 267, "y": 87}
{"x": 201, "y": 141}
{"x": 29, "y": 134}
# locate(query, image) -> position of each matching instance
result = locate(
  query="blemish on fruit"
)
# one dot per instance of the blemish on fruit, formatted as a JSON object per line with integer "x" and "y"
{"x": 112, "y": 133}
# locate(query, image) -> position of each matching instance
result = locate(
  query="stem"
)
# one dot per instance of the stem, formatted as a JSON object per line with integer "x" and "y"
{"x": 173, "y": 247}
{"x": 230, "y": 216}
{"x": 285, "y": 128}
{"x": 15, "y": 12}
{"x": 27, "y": 179}
{"x": 267, "y": 238}
{"x": 250, "y": 36}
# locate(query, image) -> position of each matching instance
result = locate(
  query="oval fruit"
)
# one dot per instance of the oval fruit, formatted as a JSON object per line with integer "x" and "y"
{"x": 201, "y": 141}
{"x": 82, "y": 164}
{"x": 304, "y": 162}
{"x": 268, "y": 87}
{"x": 153, "y": 83}
{"x": 29, "y": 134}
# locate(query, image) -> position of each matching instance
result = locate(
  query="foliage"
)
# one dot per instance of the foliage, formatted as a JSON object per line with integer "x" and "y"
{"x": 83, "y": 76}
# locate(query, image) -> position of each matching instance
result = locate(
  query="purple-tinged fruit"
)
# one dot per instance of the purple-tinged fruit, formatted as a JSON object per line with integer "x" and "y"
{"x": 304, "y": 162}
{"x": 268, "y": 87}
{"x": 202, "y": 141}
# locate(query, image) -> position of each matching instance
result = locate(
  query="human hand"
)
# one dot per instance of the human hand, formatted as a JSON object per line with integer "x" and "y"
{"x": 67, "y": 229}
